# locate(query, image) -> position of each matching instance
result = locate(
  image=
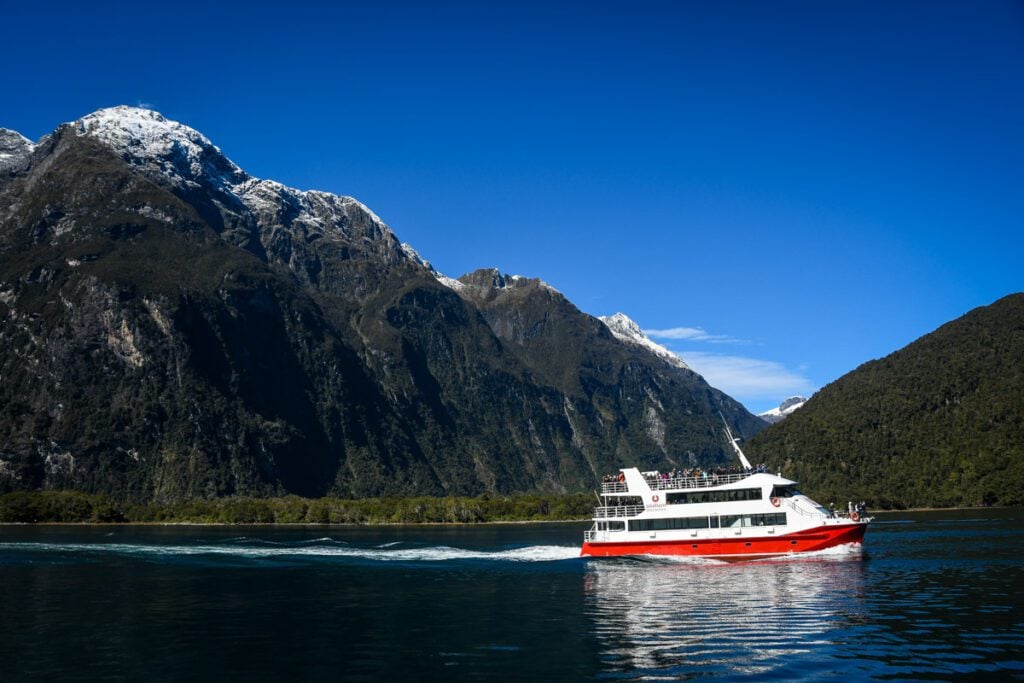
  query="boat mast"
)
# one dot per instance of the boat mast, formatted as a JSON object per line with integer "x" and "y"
{"x": 734, "y": 442}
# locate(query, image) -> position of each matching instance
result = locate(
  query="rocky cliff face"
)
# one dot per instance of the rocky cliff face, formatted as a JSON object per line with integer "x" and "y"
{"x": 171, "y": 327}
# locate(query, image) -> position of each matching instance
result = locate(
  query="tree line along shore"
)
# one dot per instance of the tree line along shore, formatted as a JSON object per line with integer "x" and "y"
{"x": 73, "y": 507}
{"x": 69, "y": 507}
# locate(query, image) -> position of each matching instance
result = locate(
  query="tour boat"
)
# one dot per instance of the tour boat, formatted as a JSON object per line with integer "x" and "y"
{"x": 744, "y": 515}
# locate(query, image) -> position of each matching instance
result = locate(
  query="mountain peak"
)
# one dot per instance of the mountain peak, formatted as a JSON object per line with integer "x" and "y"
{"x": 147, "y": 138}
{"x": 14, "y": 147}
{"x": 492, "y": 280}
{"x": 784, "y": 410}
{"x": 625, "y": 329}
{"x": 792, "y": 403}
{"x": 123, "y": 124}
{"x": 489, "y": 278}
{"x": 623, "y": 325}
{"x": 175, "y": 154}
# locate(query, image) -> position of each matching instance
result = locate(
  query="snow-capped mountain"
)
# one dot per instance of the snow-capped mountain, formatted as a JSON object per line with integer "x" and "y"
{"x": 176, "y": 328}
{"x": 784, "y": 410}
{"x": 628, "y": 331}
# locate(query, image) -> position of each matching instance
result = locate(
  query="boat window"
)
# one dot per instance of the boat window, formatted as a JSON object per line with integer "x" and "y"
{"x": 616, "y": 526}
{"x": 784, "y": 492}
{"x": 613, "y": 501}
{"x": 726, "y": 496}
{"x": 771, "y": 519}
{"x": 670, "y": 523}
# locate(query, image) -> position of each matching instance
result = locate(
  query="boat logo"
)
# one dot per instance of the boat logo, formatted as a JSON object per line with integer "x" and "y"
{"x": 654, "y": 498}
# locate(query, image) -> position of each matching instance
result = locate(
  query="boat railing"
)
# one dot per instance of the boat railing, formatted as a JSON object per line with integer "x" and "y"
{"x": 589, "y": 534}
{"x": 660, "y": 484}
{"x": 618, "y": 510}
{"x": 795, "y": 507}
{"x": 695, "y": 482}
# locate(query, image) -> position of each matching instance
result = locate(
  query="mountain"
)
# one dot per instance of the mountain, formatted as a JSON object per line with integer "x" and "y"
{"x": 174, "y": 328}
{"x": 937, "y": 423}
{"x": 783, "y": 411}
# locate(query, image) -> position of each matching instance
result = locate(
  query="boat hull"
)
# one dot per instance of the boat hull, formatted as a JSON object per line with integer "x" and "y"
{"x": 735, "y": 547}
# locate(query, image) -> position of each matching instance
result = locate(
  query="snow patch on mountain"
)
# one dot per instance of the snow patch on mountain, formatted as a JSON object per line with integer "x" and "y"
{"x": 785, "y": 409}
{"x": 174, "y": 153}
{"x": 145, "y": 137}
{"x": 628, "y": 331}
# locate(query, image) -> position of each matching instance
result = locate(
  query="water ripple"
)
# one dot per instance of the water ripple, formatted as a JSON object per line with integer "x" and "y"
{"x": 914, "y": 606}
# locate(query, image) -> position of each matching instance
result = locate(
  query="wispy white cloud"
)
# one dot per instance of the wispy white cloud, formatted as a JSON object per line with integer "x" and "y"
{"x": 753, "y": 381}
{"x": 749, "y": 379}
{"x": 696, "y": 334}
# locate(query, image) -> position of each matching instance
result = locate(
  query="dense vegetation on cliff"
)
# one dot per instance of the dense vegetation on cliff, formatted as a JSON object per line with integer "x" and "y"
{"x": 937, "y": 423}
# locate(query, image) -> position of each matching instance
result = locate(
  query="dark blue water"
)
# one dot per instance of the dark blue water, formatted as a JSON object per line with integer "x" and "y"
{"x": 930, "y": 596}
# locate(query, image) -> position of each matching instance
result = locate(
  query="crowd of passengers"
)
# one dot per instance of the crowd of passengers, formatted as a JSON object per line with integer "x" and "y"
{"x": 860, "y": 508}
{"x": 690, "y": 473}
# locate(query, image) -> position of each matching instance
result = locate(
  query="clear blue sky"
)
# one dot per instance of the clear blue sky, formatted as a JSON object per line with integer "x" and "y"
{"x": 811, "y": 184}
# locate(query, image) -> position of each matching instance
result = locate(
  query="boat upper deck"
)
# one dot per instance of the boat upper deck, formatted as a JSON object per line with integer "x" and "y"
{"x": 666, "y": 483}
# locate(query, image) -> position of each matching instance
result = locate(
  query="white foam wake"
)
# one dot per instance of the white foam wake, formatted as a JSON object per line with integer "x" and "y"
{"x": 385, "y": 553}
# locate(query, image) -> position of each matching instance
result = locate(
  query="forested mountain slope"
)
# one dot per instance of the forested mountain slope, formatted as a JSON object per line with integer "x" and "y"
{"x": 937, "y": 423}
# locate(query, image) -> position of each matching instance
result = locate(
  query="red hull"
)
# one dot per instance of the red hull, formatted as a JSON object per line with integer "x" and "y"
{"x": 737, "y": 547}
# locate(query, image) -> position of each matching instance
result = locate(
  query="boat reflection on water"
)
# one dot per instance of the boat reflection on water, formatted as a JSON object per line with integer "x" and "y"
{"x": 696, "y": 617}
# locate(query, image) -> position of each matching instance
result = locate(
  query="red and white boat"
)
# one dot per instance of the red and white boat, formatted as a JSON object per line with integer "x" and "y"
{"x": 731, "y": 517}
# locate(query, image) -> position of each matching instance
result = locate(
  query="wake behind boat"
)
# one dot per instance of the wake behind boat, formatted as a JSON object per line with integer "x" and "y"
{"x": 747, "y": 514}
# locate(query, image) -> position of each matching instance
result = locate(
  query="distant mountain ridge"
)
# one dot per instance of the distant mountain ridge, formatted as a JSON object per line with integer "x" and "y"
{"x": 938, "y": 423}
{"x": 784, "y": 410}
{"x": 173, "y": 328}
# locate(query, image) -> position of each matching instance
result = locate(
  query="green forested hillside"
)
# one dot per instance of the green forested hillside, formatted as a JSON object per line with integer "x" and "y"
{"x": 937, "y": 423}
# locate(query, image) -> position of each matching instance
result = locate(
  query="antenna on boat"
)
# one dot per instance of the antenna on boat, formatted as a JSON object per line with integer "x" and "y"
{"x": 734, "y": 442}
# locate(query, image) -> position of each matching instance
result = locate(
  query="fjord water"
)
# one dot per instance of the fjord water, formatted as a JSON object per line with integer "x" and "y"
{"x": 933, "y": 595}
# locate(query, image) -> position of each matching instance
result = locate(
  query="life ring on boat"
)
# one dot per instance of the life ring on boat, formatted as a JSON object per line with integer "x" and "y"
{"x": 854, "y": 516}
{"x": 654, "y": 498}
{"x": 776, "y": 502}
{"x": 622, "y": 478}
